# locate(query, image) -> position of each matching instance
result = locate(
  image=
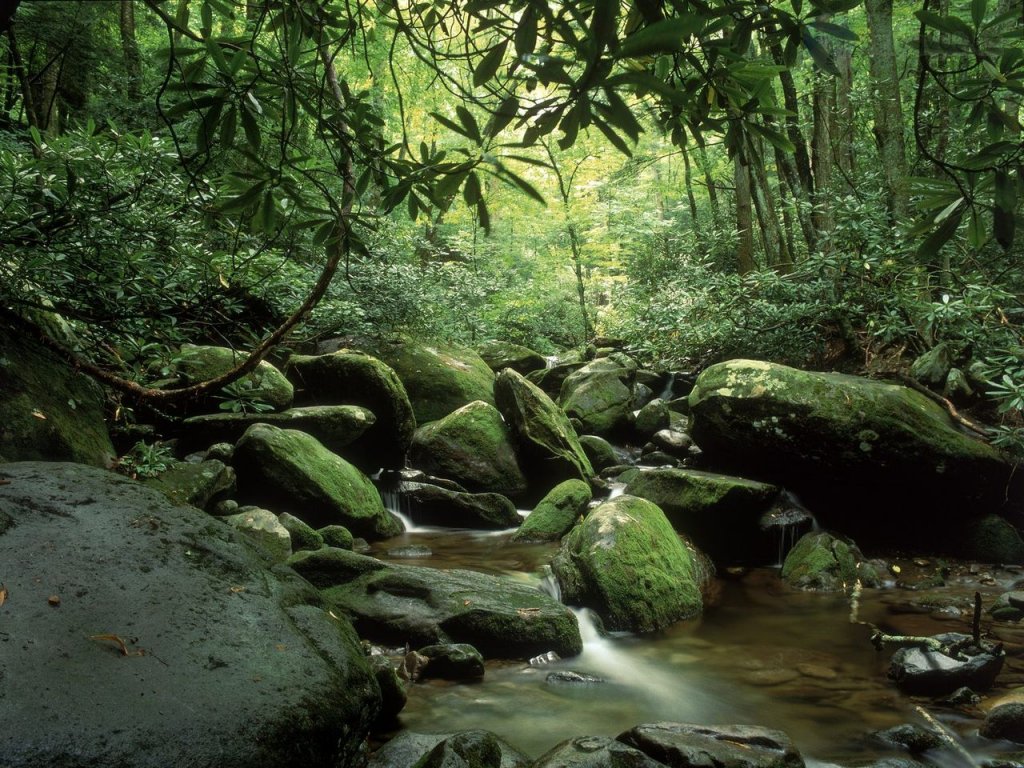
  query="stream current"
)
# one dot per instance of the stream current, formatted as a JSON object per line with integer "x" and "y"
{"x": 761, "y": 654}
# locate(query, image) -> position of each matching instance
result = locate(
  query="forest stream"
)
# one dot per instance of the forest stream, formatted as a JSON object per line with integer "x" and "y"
{"x": 762, "y": 654}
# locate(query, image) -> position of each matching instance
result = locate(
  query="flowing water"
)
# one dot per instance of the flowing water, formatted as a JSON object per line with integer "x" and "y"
{"x": 761, "y": 654}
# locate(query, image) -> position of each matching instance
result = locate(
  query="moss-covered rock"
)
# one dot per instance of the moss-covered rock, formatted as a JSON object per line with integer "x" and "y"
{"x": 551, "y": 379}
{"x": 293, "y": 472}
{"x": 392, "y": 690}
{"x": 719, "y": 513}
{"x": 336, "y": 426}
{"x": 500, "y": 355}
{"x": 652, "y": 418}
{"x": 822, "y": 562}
{"x": 433, "y": 505}
{"x": 472, "y": 446}
{"x": 547, "y": 444}
{"x": 599, "y": 451}
{"x": 438, "y": 377}
{"x": 266, "y": 384}
{"x": 626, "y": 562}
{"x": 302, "y": 535}
{"x": 355, "y": 378}
{"x": 600, "y": 395}
{"x": 993, "y": 539}
{"x": 336, "y": 536}
{"x": 735, "y": 746}
{"x": 875, "y": 460}
{"x": 399, "y": 604}
{"x": 201, "y": 484}
{"x": 556, "y": 513}
{"x": 452, "y": 661}
{"x": 48, "y": 411}
{"x": 262, "y": 527}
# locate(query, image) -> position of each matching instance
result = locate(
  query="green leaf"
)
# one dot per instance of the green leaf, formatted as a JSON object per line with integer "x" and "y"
{"x": 978, "y": 8}
{"x": 503, "y": 115}
{"x": 523, "y": 185}
{"x": 948, "y": 24}
{"x": 976, "y": 235}
{"x": 228, "y": 126}
{"x": 483, "y": 216}
{"x": 665, "y": 36}
{"x": 266, "y": 216}
{"x": 471, "y": 192}
{"x": 488, "y": 66}
{"x": 251, "y": 128}
{"x": 773, "y": 137}
{"x": 930, "y": 248}
{"x": 472, "y": 130}
{"x": 526, "y": 33}
{"x": 613, "y": 137}
{"x": 821, "y": 57}
{"x": 1005, "y": 193}
{"x": 245, "y": 200}
{"x": 836, "y": 30}
{"x": 603, "y": 22}
{"x": 1003, "y": 226}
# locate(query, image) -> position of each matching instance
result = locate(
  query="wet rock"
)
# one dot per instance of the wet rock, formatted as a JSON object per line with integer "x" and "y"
{"x": 357, "y": 379}
{"x": 925, "y": 672}
{"x": 719, "y": 513}
{"x": 962, "y": 697}
{"x": 392, "y": 689}
{"x": 824, "y": 563}
{"x": 651, "y": 456}
{"x": 47, "y": 410}
{"x": 408, "y": 748}
{"x": 433, "y": 505}
{"x": 473, "y": 447}
{"x": 336, "y": 426}
{"x": 293, "y": 472}
{"x": 652, "y": 418}
{"x": 550, "y": 380}
{"x": 993, "y": 539}
{"x": 599, "y": 451}
{"x": 556, "y": 513}
{"x": 412, "y": 551}
{"x": 547, "y": 444}
{"x": 568, "y": 677}
{"x": 595, "y": 752}
{"x": 1009, "y": 606}
{"x": 626, "y": 563}
{"x": 472, "y": 749}
{"x": 452, "y": 661}
{"x": 673, "y": 442}
{"x": 878, "y": 461}
{"x": 264, "y": 385}
{"x": 600, "y": 395}
{"x": 336, "y": 536}
{"x": 1004, "y": 722}
{"x": 736, "y": 746}
{"x": 500, "y": 355}
{"x": 303, "y": 536}
{"x": 399, "y": 604}
{"x": 201, "y": 484}
{"x": 913, "y": 738}
{"x": 220, "y": 633}
{"x": 263, "y": 528}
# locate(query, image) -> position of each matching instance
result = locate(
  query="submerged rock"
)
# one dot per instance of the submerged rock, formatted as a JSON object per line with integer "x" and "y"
{"x": 735, "y": 746}
{"x": 556, "y": 513}
{"x": 175, "y": 643}
{"x": 399, "y": 604}
{"x": 293, "y": 472}
{"x": 822, "y": 562}
{"x": 925, "y": 672}
{"x": 595, "y": 752}
{"x": 626, "y": 563}
{"x": 1004, "y": 722}
{"x": 472, "y": 446}
{"x": 452, "y": 661}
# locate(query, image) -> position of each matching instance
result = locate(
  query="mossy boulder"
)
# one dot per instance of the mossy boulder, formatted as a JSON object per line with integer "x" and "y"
{"x": 551, "y": 379}
{"x": 500, "y": 355}
{"x": 719, "y": 513}
{"x": 433, "y": 505}
{"x": 263, "y": 529}
{"x": 992, "y": 539}
{"x": 626, "y": 562}
{"x": 266, "y": 384}
{"x": 48, "y": 411}
{"x": 548, "y": 446}
{"x": 472, "y": 446}
{"x": 200, "y": 484}
{"x": 652, "y": 418}
{"x": 556, "y": 513}
{"x": 399, "y": 604}
{"x": 600, "y": 395}
{"x": 407, "y": 749}
{"x": 439, "y": 377}
{"x": 825, "y": 563}
{"x": 354, "y": 378}
{"x": 291, "y": 471}
{"x": 875, "y": 460}
{"x": 336, "y": 426}
{"x": 599, "y": 451}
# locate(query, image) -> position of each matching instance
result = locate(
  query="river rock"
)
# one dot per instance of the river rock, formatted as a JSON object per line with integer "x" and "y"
{"x": 433, "y": 505}
{"x": 472, "y": 446}
{"x": 303, "y": 536}
{"x": 266, "y": 384}
{"x": 674, "y": 442}
{"x": 556, "y": 513}
{"x": 719, "y": 513}
{"x": 599, "y": 451}
{"x": 875, "y": 460}
{"x": 734, "y": 746}
{"x": 47, "y": 410}
{"x": 262, "y": 527}
{"x": 626, "y": 563}
{"x": 600, "y": 395}
{"x": 550, "y": 379}
{"x": 500, "y": 355}
{"x": 336, "y": 426}
{"x": 548, "y": 446}
{"x": 359, "y": 379}
{"x": 409, "y": 749}
{"x": 595, "y": 752}
{"x": 822, "y": 562}
{"x": 293, "y": 472}
{"x": 1004, "y": 722}
{"x": 992, "y": 539}
{"x": 404, "y": 604}
{"x": 923, "y": 672}
{"x": 392, "y": 690}
{"x": 652, "y": 418}
{"x": 452, "y": 661}
{"x": 225, "y": 662}
{"x": 336, "y": 536}
{"x": 201, "y": 484}
{"x": 1009, "y": 606}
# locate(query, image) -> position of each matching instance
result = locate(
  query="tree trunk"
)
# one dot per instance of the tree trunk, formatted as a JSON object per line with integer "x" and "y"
{"x": 888, "y": 108}
{"x": 793, "y": 132}
{"x": 845, "y": 115}
{"x": 709, "y": 182}
{"x": 688, "y": 183}
{"x": 777, "y": 252}
{"x": 744, "y": 216}
{"x": 824, "y": 99}
{"x": 130, "y": 49}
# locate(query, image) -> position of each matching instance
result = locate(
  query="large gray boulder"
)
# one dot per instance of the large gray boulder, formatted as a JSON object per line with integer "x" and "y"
{"x": 500, "y": 355}
{"x": 47, "y": 410}
{"x": 728, "y": 746}
{"x": 354, "y": 378}
{"x": 434, "y": 505}
{"x": 148, "y": 635}
{"x": 595, "y": 752}
{"x": 290, "y": 471}
{"x": 472, "y": 446}
{"x": 600, "y": 395}
{"x": 466, "y": 749}
{"x": 626, "y": 563}
{"x": 400, "y": 604}
{"x": 874, "y": 460}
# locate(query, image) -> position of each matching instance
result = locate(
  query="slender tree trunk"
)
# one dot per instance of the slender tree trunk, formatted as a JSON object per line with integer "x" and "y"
{"x": 27, "y": 95}
{"x": 801, "y": 159}
{"x": 777, "y": 252}
{"x": 845, "y": 114}
{"x": 744, "y": 216}
{"x": 821, "y": 153}
{"x": 130, "y": 49}
{"x": 688, "y": 183}
{"x": 888, "y": 108}
{"x": 709, "y": 182}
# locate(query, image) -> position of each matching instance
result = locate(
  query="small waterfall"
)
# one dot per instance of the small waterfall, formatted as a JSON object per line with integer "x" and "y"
{"x": 615, "y": 490}
{"x": 550, "y": 361}
{"x": 549, "y": 585}
{"x": 666, "y": 392}
{"x": 789, "y": 519}
{"x": 399, "y": 505}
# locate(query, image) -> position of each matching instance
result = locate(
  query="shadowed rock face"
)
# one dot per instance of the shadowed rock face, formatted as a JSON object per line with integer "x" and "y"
{"x": 226, "y": 663}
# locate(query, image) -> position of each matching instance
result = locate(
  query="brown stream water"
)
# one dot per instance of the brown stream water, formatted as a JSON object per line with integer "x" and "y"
{"x": 761, "y": 654}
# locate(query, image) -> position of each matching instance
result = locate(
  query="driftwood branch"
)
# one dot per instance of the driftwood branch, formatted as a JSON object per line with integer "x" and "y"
{"x": 954, "y": 414}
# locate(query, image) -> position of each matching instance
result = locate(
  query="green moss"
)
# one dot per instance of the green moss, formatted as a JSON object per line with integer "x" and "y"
{"x": 556, "y": 513}
{"x": 265, "y": 384}
{"x": 822, "y": 562}
{"x": 993, "y": 539}
{"x": 600, "y": 395}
